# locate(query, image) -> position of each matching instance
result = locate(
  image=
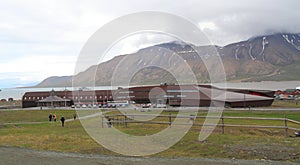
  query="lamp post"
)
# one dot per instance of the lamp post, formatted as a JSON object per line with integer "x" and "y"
{"x": 65, "y": 97}
{"x": 244, "y": 99}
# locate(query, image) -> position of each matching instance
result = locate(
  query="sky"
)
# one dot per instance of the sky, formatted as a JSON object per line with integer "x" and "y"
{"x": 43, "y": 38}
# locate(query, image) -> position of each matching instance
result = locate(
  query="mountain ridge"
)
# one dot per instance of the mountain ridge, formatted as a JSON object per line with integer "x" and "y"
{"x": 256, "y": 59}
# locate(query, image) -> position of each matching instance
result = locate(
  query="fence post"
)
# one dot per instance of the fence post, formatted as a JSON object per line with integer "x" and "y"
{"x": 125, "y": 118}
{"x": 286, "y": 127}
{"x": 170, "y": 119}
{"x": 102, "y": 121}
{"x": 223, "y": 129}
{"x": 118, "y": 122}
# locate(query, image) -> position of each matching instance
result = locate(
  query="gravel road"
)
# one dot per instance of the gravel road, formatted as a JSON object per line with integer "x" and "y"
{"x": 15, "y": 155}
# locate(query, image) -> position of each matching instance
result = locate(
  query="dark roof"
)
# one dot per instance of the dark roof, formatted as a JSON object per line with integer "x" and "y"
{"x": 229, "y": 96}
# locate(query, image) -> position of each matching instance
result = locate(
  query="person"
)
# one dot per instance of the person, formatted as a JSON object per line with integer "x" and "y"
{"x": 74, "y": 116}
{"x": 62, "y": 119}
{"x": 50, "y": 117}
{"x": 54, "y": 117}
{"x": 192, "y": 117}
{"x": 109, "y": 122}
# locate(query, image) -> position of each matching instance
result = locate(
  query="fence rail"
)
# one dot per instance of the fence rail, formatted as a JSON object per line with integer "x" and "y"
{"x": 120, "y": 119}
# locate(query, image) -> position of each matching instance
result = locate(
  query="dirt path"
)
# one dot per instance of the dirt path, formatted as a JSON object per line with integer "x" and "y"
{"x": 14, "y": 155}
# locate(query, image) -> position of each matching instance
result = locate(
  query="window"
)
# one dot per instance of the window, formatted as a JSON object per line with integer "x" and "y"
{"x": 181, "y": 96}
{"x": 126, "y": 92}
{"x": 182, "y": 91}
{"x": 167, "y": 96}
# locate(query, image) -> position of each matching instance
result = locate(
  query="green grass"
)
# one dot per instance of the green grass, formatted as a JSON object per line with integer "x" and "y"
{"x": 49, "y": 136}
{"x": 286, "y": 73}
{"x": 286, "y": 104}
{"x": 11, "y": 104}
{"x": 289, "y": 72}
{"x": 242, "y": 143}
{"x": 32, "y": 115}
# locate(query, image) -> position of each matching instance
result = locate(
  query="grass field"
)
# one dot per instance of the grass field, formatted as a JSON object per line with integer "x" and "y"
{"x": 286, "y": 104}
{"x": 239, "y": 143}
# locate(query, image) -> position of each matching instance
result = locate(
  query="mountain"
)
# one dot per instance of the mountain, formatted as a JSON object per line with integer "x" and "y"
{"x": 268, "y": 57}
{"x": 56, "y": 81}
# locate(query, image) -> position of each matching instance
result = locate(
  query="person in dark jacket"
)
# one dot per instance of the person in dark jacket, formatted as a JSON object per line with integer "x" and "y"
{"x": 62, "y": 119}
{"x": 50, "y": 117}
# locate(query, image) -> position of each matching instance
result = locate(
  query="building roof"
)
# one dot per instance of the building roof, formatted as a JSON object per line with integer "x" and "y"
{"x": 229, "y": 96}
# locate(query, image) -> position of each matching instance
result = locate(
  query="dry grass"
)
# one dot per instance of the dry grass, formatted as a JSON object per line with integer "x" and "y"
{"x": 237, "y": 142}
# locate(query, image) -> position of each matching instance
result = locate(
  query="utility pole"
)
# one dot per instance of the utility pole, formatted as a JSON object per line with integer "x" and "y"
{"x": 244, "y": 99}
{"x": 65, "y": 97}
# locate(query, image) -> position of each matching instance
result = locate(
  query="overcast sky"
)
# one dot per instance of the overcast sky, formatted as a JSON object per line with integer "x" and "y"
{"x": 43, "y": 38}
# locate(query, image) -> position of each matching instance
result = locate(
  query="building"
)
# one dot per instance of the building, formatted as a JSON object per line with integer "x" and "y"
{"x": 54, "y": 101}
{"x": 288, "y": 94}
{"x": 66, "y": 98}
{"x": 200, "y": 95}
{"x": 47, "y": 99}
{"x": 157, "y": 95}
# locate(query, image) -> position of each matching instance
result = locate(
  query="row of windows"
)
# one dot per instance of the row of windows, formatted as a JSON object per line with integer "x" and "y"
{"x": 74, "y": 97}
{"x": 183, "y": 91}
{"x": 34, "y": 98}
{"x": 91, "y": 97}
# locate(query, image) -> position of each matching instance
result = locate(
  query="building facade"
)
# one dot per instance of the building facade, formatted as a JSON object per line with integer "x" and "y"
{"x": 158, "y": 95}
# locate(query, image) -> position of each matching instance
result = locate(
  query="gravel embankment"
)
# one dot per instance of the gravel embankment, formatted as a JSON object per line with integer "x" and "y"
{"x": 15, "y": 155}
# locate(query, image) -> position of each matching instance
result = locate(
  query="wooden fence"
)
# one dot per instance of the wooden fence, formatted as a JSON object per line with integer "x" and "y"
{"x": 118, "y": 120}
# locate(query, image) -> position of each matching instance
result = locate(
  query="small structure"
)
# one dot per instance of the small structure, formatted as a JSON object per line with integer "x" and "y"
{"x": 53, "y": 101}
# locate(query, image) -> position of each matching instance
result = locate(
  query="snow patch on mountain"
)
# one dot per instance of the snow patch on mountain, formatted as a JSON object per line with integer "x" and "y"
{"x": 250, "y": 53}
{"x": 291, "y": 41}
{"x": 264, "y": 43}
{"x": 236, "y": 54}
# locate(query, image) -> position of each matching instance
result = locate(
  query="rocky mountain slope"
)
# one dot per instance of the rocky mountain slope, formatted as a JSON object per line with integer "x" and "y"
{"x": 268, "y": 57}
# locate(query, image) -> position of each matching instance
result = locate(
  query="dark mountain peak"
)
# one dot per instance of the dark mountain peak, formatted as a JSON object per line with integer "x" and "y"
{"x": 175, "y": 43}
{"x": 172, "y": 45}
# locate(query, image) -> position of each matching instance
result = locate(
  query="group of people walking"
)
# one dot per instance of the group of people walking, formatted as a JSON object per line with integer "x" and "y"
{"x": 53, "y": 117}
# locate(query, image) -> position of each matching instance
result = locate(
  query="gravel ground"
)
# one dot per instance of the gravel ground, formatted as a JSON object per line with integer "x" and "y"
{"x": 15, "y": 155}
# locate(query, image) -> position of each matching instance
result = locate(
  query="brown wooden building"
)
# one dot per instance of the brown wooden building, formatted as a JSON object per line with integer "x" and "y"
{"x": 173, "y": 95}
